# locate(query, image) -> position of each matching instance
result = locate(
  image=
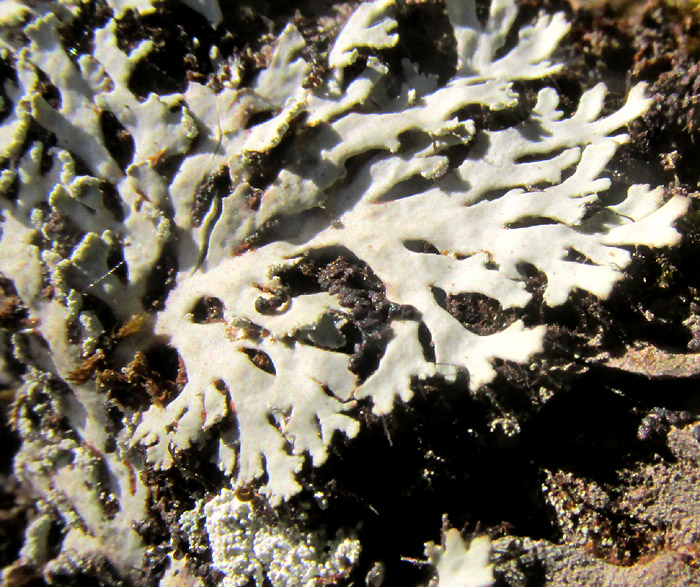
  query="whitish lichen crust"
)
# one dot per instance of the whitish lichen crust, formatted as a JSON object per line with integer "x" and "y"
{"x": 248, "y": 549}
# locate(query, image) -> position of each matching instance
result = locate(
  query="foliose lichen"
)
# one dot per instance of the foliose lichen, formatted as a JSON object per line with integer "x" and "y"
{"x": 197, "y": 238}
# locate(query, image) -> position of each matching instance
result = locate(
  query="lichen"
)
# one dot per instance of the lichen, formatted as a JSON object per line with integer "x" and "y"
{"x": 191, "y": 233}
{"x": 455, "y": 563}
{"x": 249, "y": 549}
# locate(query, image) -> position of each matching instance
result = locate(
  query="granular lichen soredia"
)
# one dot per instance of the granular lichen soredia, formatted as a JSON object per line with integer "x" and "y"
{"x": 233, "y": 271}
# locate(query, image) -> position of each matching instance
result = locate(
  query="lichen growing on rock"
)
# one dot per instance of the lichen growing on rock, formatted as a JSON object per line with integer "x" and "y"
{"x": 183, "y": 225}
{"x": 481, "y": 218}
{"x": 251, "y": 550}
{"x": 457, "y": 564}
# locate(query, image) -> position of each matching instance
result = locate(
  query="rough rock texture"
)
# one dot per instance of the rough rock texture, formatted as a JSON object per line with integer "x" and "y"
{"x": 662, "y": 496}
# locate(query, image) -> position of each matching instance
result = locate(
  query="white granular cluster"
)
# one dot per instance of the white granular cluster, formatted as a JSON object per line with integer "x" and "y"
{"x": 246, "y": 547}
